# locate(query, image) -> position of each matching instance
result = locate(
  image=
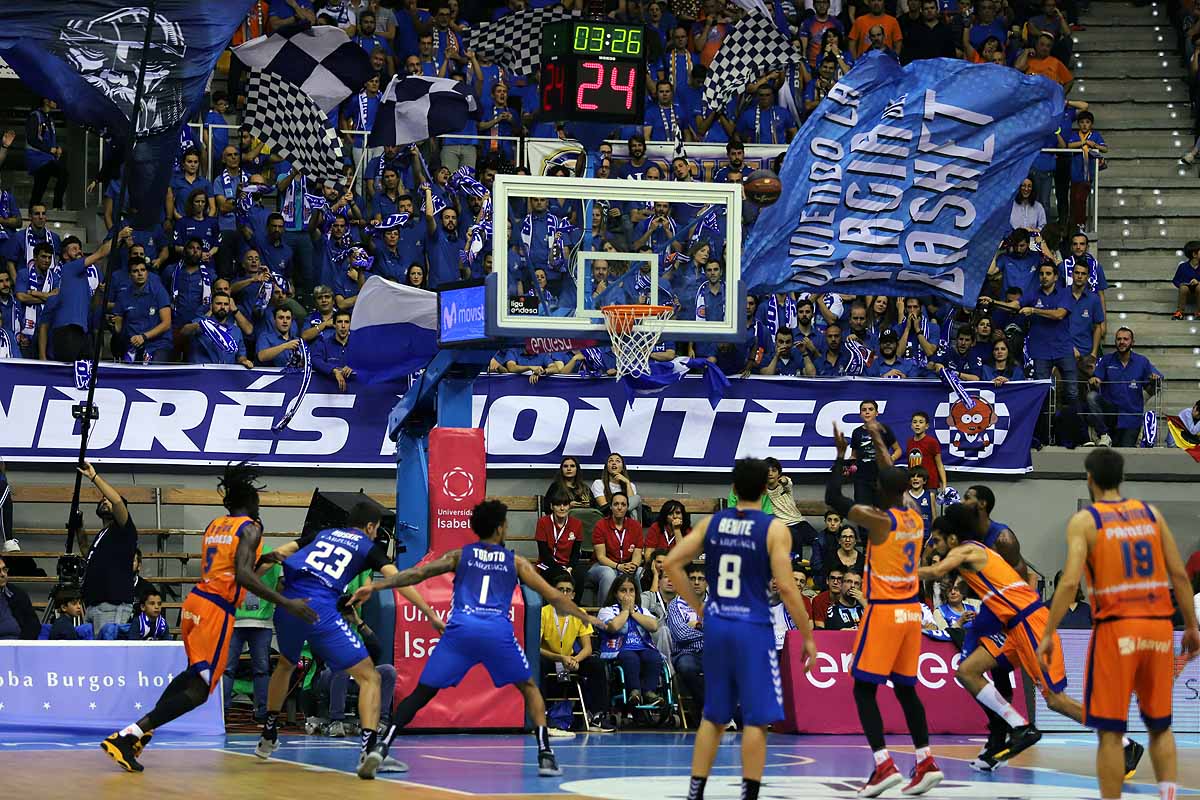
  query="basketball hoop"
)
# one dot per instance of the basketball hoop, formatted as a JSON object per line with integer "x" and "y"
{"x": 633, "y": 333}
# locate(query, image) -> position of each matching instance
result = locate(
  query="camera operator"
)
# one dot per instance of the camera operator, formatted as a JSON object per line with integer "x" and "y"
{"x": 108, "y": 576}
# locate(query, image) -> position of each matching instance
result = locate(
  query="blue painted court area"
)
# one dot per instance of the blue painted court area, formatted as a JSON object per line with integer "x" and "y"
{"x": 640, "y": 766}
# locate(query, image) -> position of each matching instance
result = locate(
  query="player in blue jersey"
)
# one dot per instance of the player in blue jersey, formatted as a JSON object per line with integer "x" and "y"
{"x": 480, "y": 629}
{"x": 743, "y": 550}
{"x": 318, "y": 567}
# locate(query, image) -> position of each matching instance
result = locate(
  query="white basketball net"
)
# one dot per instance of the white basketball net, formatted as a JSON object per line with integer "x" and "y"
{"x": 634, "y": 334}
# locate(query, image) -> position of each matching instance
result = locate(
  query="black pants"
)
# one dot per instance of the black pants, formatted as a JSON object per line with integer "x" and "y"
{"x": 41, "y": 179}
{"x": 70, "y": 343}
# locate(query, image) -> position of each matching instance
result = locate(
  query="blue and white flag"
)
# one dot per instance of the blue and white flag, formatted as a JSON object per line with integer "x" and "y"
{"x": 393, "y": 332}
{"x": 901, "y": 181}
{"x": 668, "y": 373}
{"x": 85, "y": 55}
{"x": 415, "y": 107}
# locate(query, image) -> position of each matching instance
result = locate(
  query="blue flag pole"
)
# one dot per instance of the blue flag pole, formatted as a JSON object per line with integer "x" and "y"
{"x": 86, "y": 412}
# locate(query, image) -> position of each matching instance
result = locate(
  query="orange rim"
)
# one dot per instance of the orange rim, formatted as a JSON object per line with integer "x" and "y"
{"x": 635, "y": 311}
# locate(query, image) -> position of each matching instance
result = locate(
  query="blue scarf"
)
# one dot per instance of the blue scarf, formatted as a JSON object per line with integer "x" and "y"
{"x": 1149, "y": 430}
{"x": 463, "y": 182}
{"x": 151, "y": 630}
{"x": 860, "y": 357}
{"x": 219, "y": 335}
{"x": 300, "y": 362}
{"x": 7, "y": 346}
{"x": 952, "y": 381}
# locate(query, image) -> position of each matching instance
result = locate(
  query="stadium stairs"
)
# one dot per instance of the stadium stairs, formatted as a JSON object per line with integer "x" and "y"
{"x": 1127, "y": 69}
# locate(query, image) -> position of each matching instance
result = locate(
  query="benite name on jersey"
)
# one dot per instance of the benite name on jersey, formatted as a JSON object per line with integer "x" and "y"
{"x": 735, "y": 526}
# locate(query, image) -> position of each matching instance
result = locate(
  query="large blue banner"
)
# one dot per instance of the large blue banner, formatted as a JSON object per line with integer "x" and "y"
{"x": 902, "y": 180}
{"x": 95, "y": 687}
{"x": 212, "y": 415}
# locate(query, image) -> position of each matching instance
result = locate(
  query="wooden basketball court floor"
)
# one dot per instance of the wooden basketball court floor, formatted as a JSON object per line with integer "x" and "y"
{"x": 619, "y": 766}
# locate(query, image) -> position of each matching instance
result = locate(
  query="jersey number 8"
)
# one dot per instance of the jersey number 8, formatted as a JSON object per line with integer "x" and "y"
{"x": 729, "y": 576}
{"x": 329, "y": 559}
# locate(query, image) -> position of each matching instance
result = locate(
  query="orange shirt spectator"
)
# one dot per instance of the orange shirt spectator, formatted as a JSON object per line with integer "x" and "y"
{"x": 860, "y": 40}
{"x": 1049, "y": 67}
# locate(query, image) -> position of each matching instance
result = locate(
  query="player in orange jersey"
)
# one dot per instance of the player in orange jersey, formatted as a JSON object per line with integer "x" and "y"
{"x": 1133, "y": 565}
{"x": 232, "y": 546}
{"x": 888, "y": 646}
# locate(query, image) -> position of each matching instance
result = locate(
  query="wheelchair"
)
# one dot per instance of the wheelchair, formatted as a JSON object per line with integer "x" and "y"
{"x": 667, "y": 712}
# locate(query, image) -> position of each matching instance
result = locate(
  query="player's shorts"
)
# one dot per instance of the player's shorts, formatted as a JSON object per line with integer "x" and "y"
{"x": 986, "y": 632}
{"x": 1127, "y": 656}
{"x": 888, "y": 645}
{"x": 465, "y": 644}
{"x": 1020, "y": 648}
{"x": 207, "y": 624}
{"x": 741, "y": 668}
{"x": 330, "y": 637}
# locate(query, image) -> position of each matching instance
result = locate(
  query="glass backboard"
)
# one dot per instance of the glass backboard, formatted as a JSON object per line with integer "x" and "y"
{"x": 563, "y": 247}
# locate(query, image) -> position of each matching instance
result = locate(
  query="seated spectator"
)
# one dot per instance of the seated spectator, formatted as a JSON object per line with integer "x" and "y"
{"x": 687, "y": 635}
{"x": 673, "y": 523}
{"x": 919, "y": 335}
{"x": 786, "y": 361}
{"x": 822, "y": 602}
{"x": 141, "y": 585}
{"x": 559, "y": 539}
{"x": 337, "y": 683}
{"x": 888, "y": 364}
{"x": 781, "y": 620}
{"x": 846, "y": 611}
{"x": 1115, "y": 403}
{"x": 1187, "y": 280}
{"x": 275, "y": 346}
{"x": 569, "y": 483}
{"x": 615, "y": 479}
{"x": 1002, "y": 369}
{"x": 825, "y": 543}
{"x": 962, "y": 358}
{"x": 566, "y": 647}
{"x": 1027, "y": 213}
{"x": 617, "y": 545}
{"x": 847, "y": 555}
{"x": 329, "y": 351}
{"x": 626, "y": 640}
{"x": 149, "y": 624}
{"x": 657, "y": 594}
{"x": 1038, "y": 61}
{"x": 321, "y": 319}
{"x": 1079, "y": 613}
{"x": 217, "y": 338}
{"x": 784, "y": 508}
{"x": 833, "y": 363}
{"x": 17, "y": 618}
{"x": 956, "y": 611}
{"x": 69, "y": 610}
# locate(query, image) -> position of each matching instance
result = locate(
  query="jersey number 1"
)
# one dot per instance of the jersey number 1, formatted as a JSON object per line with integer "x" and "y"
{"x": 729, "y": 576}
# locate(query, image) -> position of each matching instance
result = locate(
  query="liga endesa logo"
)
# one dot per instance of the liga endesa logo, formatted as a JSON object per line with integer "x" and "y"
{"x": 933, "y": 671}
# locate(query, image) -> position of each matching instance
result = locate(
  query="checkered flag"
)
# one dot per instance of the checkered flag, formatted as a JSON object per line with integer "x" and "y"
{"x": 298, "y": 75}
{"x": 755, "y": 47}
{"x": 515, "y": 40}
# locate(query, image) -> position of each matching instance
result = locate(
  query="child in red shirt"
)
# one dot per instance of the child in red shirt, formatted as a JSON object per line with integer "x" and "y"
{"x": 924, "y": 450}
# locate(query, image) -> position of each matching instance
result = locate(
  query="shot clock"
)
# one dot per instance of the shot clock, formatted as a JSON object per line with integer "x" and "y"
{"x": 593, "y": 70}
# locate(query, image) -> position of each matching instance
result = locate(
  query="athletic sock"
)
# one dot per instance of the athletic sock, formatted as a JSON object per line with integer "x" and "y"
{"x": 991, "y": 698}
{"x": 271, "y": 726}
{"x": 369, "y": 738}
{"x": 750, "y": 789}
{"x": 923, "y": 753}
{"x": 1166, "y": 791}
{"x": 543, "y": 739}
{"x": 1125, "y": 741}
{"x": 696, "y": 788}
{"x": 132, "y": 730}
{"x": 881, "y": 756}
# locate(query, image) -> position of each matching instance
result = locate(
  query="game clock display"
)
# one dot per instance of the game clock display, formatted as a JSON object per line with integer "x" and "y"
{"x": 593, "y": 70}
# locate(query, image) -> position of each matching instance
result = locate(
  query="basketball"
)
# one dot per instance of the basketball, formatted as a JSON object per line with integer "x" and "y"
{"x": 762, "y": 187}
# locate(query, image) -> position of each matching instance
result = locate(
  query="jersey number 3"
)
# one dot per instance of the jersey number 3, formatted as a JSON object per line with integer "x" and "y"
{"x": 729, "y": 576}
{"x": 329, "y": 559}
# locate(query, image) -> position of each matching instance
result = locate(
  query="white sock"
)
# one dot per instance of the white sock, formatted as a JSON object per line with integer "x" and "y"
{"x": 134, "y": 730}
{"x": 881, "y": 756}
{"x": 992, "y": 699}
{"x": 923, "y": 753}
{"x": 1124, "y": 741}
{"x": 1166, "y": 791}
